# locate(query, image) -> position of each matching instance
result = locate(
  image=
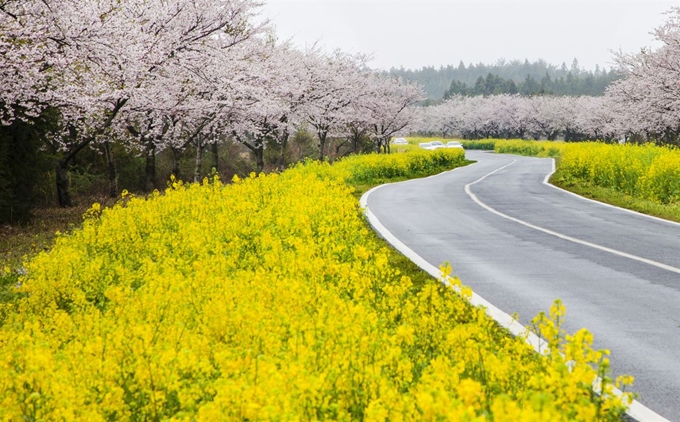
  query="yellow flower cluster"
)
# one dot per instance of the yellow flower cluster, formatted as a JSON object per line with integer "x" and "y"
{"x": 531, "y": 148}
{"x": 377, "y": 168}
{"x": 645, "y": 171}
{"x": 266, "y": 299}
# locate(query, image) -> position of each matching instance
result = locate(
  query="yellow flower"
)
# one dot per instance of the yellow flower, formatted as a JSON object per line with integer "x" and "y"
{"x": 268, "y": 299}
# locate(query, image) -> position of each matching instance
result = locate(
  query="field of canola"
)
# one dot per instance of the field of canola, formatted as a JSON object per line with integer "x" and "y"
{"x": 269, "y": 299}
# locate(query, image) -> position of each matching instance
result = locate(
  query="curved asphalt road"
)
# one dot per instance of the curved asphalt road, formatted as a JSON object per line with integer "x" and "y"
{"x": 632, "y": 306}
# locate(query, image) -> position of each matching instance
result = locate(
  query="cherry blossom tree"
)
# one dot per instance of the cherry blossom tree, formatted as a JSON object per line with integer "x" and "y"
{"x": 280, "y": 97}
{"x": 595, "y": 117}
{"x": 335, "y": 82}
{"x": 28, "y": 58}
{"x": 99, "y": 56}
{"x": 649, "y": 95}
{"x": 389, "y": 104}
{"x": 514, "y": 116}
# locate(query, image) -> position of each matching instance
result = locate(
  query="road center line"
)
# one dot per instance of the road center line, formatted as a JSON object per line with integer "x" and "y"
{"x": 474, "y": 197}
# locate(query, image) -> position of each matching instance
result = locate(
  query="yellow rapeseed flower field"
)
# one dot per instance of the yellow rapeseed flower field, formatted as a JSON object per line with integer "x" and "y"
{"x": 266, "y": 299}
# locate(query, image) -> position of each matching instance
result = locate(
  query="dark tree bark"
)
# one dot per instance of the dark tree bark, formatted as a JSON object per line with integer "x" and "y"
{"x": 339, "y": 147}
{"x": 322, "y": 143}
{"x": 215, "y": 156}
{"x": 111, "y": 167}
{"x": 282, "y": 154}
{"x": 356, "y": 138}
{"x": 258, "y": 149}
{"x": 175, "y": 162}
{"x": 63, "y": 184}
{"x": 150, "y": 158}
{"x": 284, "y": 148}
{"x": 259, "y": 157}
{"x": 199, "y": 160}
{"x": 150, "y": 168}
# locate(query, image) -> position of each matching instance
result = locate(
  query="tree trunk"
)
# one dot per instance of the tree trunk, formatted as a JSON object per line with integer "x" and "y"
{"x": 63, "y": 193}
{"x": 112, "y": 173}
{"x": 259, "y": 158}
{"x": 63, "y": 183}
{"x": 150, "y": 169}
{"x": 199, "y": 161}
{"x": 356, "y": 137}
{"x": 175, "y": 162}
{"x": 215, "y": 156}
{"x": 322, "y": 144}
{"x": 282, "y": 155}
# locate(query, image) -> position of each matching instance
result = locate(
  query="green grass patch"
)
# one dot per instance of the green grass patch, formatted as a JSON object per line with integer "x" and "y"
{"x": 481, "y": 144}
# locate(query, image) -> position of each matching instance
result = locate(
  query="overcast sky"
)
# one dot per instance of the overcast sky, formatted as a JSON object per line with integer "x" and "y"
{"x": 414, "y": 34}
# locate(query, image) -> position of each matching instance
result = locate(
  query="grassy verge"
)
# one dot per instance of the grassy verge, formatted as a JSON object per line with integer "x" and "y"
{"x": 18, "y": 243}
{"x": 614, "y": 197}
{"x": 481, "y": 144}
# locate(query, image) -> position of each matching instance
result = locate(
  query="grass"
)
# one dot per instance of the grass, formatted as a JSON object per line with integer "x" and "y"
{"x": 481, "y": 144}
{"x": 20, "y": 242}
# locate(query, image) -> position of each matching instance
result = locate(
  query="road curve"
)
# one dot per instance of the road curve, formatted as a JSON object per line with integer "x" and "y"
{"x": 520, "y": 244}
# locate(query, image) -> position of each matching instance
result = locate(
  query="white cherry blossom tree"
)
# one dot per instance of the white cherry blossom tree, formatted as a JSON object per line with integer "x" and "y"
{"x": 389, "y": 105}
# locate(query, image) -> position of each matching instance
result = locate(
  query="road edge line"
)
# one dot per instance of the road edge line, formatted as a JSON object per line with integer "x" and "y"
{"x": 636, "y": 410}
{"x": 546, "y": 181}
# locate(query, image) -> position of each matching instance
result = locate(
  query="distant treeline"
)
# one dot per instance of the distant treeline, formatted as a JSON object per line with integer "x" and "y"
{"x": 503, "y": 77}
{"x": 586, "y": 84}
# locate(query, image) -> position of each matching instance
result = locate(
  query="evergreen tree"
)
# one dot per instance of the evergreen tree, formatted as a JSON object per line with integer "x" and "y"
{"x": 530, "y": 86}
{"x": 480, "y": 86}
{"x": 546, "y": 85}
{"x": 571, "y": 83}
{"x": 457, "y": 88}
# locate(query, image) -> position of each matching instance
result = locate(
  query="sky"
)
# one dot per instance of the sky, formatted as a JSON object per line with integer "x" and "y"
{"x": 413, "y": 34}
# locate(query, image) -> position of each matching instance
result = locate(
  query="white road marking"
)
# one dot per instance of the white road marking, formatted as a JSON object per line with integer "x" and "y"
{"x": 560, "y": 235}
{"x": 546, "y": 182}
{"x": 637, "y": 410}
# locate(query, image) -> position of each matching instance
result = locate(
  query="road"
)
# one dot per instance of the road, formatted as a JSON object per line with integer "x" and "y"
{"x": 520, "y": 244}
